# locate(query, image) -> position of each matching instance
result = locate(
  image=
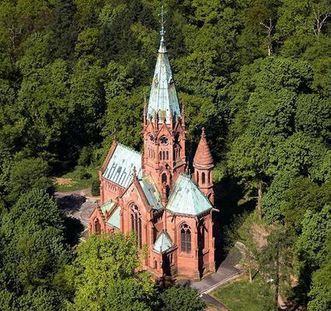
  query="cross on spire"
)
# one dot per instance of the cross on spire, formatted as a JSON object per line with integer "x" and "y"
{"x": 162, "y": 21}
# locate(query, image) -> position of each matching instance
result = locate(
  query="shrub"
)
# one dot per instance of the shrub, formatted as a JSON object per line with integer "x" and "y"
{"x": 95, "y": 187}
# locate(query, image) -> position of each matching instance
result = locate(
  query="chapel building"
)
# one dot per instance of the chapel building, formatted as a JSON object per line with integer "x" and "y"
{"x": 151, "y": 193}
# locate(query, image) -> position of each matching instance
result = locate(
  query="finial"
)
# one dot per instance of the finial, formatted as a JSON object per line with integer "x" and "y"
{"x": 134, "y": 172}
{"x": 203, "y": 132}
{"x": 162, "y": 48}
{"x": 162, "y": 32}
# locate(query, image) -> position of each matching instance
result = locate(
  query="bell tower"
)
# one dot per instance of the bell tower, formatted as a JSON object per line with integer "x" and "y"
{"x": 164, "y": 127}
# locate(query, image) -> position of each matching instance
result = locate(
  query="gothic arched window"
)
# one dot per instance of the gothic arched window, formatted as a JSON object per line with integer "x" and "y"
{"x": 97, "y": 226}
{"x": 164, "y": 178}
{"x": 185, "y": 238}
{"x": 136, "y": 224}
{"x": 203, "y": 178}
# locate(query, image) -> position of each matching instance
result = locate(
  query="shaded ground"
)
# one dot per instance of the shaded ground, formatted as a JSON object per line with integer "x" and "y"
{"x": 78, "y": 205}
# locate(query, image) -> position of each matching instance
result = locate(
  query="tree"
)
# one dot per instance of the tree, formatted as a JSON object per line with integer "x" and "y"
{"x": 311, "y": 246}
{"x": 304, "y": 196}
{"x": 321, "y": 288}
{"x": 105, "y": 276}
{"x": 32, "y": 251}
{"x": 275, "y": 261}
{"x": 179, "y": 298}
{"x": 25, "y": 175}
{"x": 123, "y": 119}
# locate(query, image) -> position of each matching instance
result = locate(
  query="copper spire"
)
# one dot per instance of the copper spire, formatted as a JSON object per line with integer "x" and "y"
{"x": 163, "y": 100}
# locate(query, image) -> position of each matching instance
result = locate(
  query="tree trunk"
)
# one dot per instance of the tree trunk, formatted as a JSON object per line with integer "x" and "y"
{"x": 277, "y": 278}
{"x": 259, "y": 199}
{"x": 269, "y": 28}
{"x": 250, "y": 268}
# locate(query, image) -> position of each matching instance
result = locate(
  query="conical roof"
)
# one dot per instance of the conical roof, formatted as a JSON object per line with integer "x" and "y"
{"x": 163, "y": 100}
{"x": 203, "y": 155}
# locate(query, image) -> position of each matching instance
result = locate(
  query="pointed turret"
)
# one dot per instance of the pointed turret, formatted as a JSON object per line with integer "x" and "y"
{"x": 203, "y": 157}
{"x": 163, "y": 100}
{"x": 203, "y": 164}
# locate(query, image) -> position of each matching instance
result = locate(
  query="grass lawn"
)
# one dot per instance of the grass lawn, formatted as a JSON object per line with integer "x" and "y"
{"x": 244, "y": 296}
{"x": 80, "y": 178}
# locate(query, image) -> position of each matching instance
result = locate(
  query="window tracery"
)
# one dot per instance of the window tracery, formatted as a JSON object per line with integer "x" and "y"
{"x": 185, "y": 237}
{"x": 136, "y": 225}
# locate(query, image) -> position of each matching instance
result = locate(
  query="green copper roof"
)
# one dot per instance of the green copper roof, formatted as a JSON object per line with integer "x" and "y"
{"x": 115, "y": 218}
{"x": 163, "y": 100}
{"x": 186, "y": 198}
{"x": 162, "y": 243}
{"x": 152, "y": 195}
{"x": 106, "y": 207}
{"x": 120, "y": 167}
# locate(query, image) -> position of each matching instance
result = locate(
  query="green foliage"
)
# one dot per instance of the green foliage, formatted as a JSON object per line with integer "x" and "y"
{"x": 123, "y": 120}
{"x": 25, "y": 175}
{"x": 178, "y": 298}
{"x": 80, "y": 178}
{"x": 95, "y": 190}
{"x": 74, "y": 74}
{"x": 275, "y": 260}
{"x": 105, "y": 277}
{"x": 321, "y": 289}
{"x": 312, "y": 245}
{"x": 32, "y": 251}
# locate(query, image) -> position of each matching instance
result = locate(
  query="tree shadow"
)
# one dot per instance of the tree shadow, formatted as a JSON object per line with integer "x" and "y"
{"x": 73, "y": 230}
{"x": 228, "y": 193}
{"x": 71, "y": 202}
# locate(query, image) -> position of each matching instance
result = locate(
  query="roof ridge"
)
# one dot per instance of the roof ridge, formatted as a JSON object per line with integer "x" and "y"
{"x": 129, "y": 148}
{"x": 186, "y": 198}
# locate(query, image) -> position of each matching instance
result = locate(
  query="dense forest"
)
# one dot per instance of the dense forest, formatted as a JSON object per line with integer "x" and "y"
{"x": 73, "y": 77}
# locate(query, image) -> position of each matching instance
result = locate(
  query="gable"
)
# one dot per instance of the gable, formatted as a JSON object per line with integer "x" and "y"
{"x": 115, "y": 218}
{"x": 119, "y": 169}
{"x": 162, "y": 243}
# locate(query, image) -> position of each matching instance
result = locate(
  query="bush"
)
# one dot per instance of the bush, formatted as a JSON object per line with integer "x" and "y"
{"x": 179, "y": 298}
{"x": 83, "y": 173}
{"x": 95, "y": 187}
{"x": 85, "y": 156}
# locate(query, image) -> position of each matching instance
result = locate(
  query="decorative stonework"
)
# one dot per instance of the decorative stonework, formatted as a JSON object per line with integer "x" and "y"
{"x": 170, "y": 213}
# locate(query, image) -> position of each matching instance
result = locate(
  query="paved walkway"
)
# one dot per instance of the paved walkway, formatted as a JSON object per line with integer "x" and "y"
{"x": 225, "y": 273}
